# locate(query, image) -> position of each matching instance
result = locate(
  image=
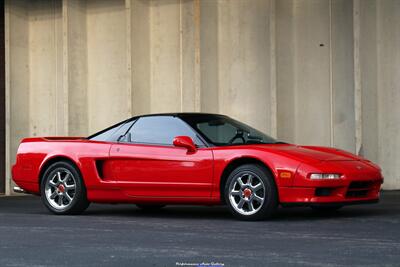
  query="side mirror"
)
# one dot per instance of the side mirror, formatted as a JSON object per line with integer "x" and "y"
{"x": 186, "y": 142}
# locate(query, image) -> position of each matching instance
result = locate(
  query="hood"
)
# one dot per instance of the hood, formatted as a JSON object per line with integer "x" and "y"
{"x": 312, "y": 153}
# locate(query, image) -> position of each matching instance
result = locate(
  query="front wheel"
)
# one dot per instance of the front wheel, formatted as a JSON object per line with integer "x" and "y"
{"x": 62, "y": 189}
{"x": 250, "y": 193}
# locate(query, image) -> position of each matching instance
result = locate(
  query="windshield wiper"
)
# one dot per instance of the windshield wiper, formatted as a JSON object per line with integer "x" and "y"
{"x": 254, "y": 137}
{"x": 255, "y": 141}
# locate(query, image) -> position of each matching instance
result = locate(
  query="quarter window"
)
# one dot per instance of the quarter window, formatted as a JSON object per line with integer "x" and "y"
{"x": 113, "y": 133}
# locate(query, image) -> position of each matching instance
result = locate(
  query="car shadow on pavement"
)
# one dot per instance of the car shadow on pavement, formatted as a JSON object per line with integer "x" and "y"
{"x": 389, "y": 208}
{"x": 222, "y": 213}
{"x": 300, "y": 214}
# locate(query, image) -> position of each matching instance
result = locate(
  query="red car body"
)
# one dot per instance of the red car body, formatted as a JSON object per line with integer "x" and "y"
{"x": 138, "y": 173}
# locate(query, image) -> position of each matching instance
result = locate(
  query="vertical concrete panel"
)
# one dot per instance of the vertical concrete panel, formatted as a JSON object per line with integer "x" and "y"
{"x": 303, "y": 71}
{"x": 389, "y": 91}
{"x": 273, "y": 131}
{"x": 61, "y": 96}
{"x": 312, "y": 70}
{"x": 368, "y": 73}
{"x": 165, "y": 56}
{"x": 140, "y": 12}
{"x": 209, "y": 55}
{"x": 45, "y": 64}
{"x": 190, "y": 54}
{"x": 107, "y": 73}
{"x": 343, "y": 75}
{"x": 285, "y": 78}
{"x": 76, "y": 66}
{"x": 17, "y": 80}
{"x": 243, "y": 60}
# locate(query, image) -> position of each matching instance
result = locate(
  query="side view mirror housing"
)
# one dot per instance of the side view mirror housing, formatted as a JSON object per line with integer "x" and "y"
{"x": 186, "y": 142}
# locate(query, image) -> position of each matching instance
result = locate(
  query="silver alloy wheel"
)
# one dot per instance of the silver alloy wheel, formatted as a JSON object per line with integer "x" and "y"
{"x": 60, "y": 189}
{"x": 247, "y": 193}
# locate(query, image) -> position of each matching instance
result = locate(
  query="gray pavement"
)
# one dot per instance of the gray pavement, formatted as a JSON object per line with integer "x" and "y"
{"x": 122, "y": 235}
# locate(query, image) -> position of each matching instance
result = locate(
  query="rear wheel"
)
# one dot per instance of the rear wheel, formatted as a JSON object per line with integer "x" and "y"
{"x": 62, "y": 189}
{"x": 250, "y": 193}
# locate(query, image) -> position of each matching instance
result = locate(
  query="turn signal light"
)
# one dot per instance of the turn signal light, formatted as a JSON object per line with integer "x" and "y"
{"x": 285, "y": 175}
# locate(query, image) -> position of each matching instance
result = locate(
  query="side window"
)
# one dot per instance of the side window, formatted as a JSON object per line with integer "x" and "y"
{"x": 160, "y": 130}
{"x": 218, "y": 133}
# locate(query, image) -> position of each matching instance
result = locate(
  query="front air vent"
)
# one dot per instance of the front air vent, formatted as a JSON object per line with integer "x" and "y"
{"x": 359, "y": 189}
{"x": 323, "y": 191}
{"x": 99, "y": 168}
{"x": 360, "y": 185}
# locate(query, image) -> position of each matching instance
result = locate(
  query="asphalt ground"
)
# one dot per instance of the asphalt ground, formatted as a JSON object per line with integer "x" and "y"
{"x": 122, "y": 235}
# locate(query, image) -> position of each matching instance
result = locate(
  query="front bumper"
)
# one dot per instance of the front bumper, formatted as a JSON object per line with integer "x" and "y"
{"x": 360, "y": 181}
{"x": 348, "y": 192}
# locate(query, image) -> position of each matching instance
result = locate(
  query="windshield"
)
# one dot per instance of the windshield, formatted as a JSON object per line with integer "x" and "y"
{"x": 224, "y": 131}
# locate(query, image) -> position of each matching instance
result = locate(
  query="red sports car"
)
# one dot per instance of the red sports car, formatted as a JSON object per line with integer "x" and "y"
{"x": 191, "y": 158}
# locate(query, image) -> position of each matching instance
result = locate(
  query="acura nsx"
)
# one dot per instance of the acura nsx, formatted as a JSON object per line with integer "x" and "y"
{"x": 191, "y": 158}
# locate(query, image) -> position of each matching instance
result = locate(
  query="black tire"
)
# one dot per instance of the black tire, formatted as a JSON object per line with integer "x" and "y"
{"x": 263, "y": 210}
{"x": 326, "y": 209}
{"x": 150, "y": 206}
{"x": 79, "y": 202}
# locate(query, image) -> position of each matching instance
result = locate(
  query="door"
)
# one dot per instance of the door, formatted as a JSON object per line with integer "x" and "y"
{"x": 146, "y": 163}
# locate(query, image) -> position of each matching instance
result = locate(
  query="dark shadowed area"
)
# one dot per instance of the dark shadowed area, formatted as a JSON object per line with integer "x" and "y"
{"x": 122, "y": 235}
{"x": 2, "y": 101}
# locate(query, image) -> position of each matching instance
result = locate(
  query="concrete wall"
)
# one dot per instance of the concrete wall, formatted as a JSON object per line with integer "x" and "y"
{"x": 306, "y": 71}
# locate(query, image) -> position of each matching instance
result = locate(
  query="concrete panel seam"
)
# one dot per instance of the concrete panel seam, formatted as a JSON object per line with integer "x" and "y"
{"x": 65, "y": 65}
{"x": 331, "y": 78}
{"x": 197, "y": 56}
{"x": 128, "y": 55}
{"x": 273, "y": 86}
{"x": 7, "y": 95}
{"x": 357, "y": 76}
{"x": 181, "y": 52}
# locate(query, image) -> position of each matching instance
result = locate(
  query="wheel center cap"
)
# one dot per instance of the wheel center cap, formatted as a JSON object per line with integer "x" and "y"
{"x": 61, "y": 188}
{"x": 247, "y": 193}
